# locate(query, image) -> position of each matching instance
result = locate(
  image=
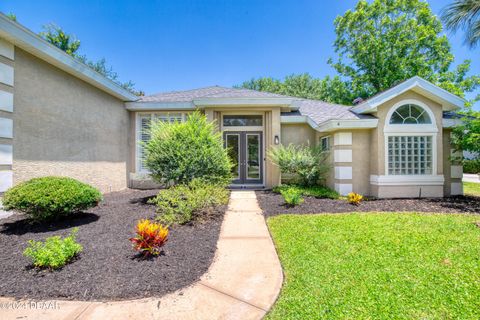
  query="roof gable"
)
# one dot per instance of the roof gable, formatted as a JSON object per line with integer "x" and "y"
{"x": 448, "y": 100}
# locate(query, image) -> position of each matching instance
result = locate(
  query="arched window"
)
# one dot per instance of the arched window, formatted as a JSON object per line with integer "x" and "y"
{"x": 410, "y": 114}
{"x": 410, "y": 139}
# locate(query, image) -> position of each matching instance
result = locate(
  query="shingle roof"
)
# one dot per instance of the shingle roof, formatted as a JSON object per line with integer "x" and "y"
{"x": 318, "y": 111}
{"x": 208, "y": 92}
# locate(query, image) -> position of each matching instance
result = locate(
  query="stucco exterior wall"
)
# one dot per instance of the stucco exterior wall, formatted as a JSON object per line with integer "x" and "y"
{"x": 452, "y": 166}
{"x": 378, "y": 164}
{"x": 298, "y": 134}
{"x": 361, "y": 161}
{"x": 64, "y": 126}
{"x": 377, "y": 158}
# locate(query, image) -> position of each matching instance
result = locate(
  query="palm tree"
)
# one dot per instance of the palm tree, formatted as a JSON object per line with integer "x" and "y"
{"x": 465, "y": 15}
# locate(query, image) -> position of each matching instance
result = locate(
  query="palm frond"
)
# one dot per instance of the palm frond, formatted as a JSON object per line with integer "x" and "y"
{"x": 465, "y": 15}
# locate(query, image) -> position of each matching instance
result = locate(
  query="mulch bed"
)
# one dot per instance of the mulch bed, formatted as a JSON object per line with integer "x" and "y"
{"x": 273, "y": 204}
{"x": 108, "y": 268}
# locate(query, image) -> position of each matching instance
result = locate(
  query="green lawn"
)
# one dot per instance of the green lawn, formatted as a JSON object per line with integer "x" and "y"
{"x": 378, "y": 266}
{"x": 471, "y": 188}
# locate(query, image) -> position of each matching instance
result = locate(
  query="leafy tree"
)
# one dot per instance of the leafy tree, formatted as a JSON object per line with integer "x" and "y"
{"x": 70, "y": 44}
{"x": 379, "y": 44}
{"x": 382, "y": 43}
{"x": 304, "y": 86}
{"x": 464, "y": 14}
{"x": 56, "y": 36}
{"x": 12, "y": 16}
{"x": 467, "y": 136}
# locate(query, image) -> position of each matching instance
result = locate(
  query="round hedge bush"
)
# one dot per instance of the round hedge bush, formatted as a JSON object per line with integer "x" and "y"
{"x": 51, "y": 197}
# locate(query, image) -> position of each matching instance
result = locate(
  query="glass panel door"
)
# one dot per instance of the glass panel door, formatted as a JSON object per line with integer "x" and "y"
{"x": 245, "y": 149}
{"x": 253, "y": 156}
{"x": 232, "y": 143}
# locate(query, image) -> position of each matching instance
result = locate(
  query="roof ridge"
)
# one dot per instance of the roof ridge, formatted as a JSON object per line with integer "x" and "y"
{"x": 183, "y": 91}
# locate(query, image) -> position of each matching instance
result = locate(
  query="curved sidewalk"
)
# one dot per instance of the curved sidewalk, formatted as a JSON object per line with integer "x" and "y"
{"x": 242, "y": 283}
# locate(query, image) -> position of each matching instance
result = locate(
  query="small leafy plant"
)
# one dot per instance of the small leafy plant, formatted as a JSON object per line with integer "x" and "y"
{"x": 320, "y": 192}
{"x": 55, "y": 252}
{"x": 150, "y": 237}
{"x": 194, "y": 201}
{"x": 293, "y": 197}
{"x": 354, "y": 198}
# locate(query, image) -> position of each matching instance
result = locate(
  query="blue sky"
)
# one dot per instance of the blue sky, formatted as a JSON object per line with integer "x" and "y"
{"x": 176, "y": 45}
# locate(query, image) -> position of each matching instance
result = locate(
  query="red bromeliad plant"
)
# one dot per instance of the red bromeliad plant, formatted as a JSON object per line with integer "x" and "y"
{"x": 150, "y": 237}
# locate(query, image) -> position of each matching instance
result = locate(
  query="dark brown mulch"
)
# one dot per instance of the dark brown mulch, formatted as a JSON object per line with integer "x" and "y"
{"x": 108, "y": 267}
{"x": 273, "y": 204}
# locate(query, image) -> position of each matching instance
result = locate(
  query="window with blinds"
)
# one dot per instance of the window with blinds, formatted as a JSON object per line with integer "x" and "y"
{"x": 143, "y": 134}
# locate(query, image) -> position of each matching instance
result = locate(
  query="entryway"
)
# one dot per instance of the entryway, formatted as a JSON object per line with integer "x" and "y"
{"x": 245, "y": 149}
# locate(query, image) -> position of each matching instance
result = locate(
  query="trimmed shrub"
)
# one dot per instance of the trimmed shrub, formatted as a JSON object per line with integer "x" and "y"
{"x": 471, "y": 166}
{"x": 313, "y": 191}
{"x": 292, "y": 196}
{"x": 182, "y": 151}
{"x": 183, "y": 203}
{"x": 354, "y": 198}
{"x": 55, "y": 252}
{"x": 150, "y": 237}
{"x": 51, "y": 197}
{"x": 307, "y": 164}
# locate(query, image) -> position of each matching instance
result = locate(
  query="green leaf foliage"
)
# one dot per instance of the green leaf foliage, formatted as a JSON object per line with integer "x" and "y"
{"x": 320, "y": 192}
{"x": 465, "y": 15}
{"x": 381, "y": 43}
{"x": 194, "y": 201}
{"x": 292, "y": 196}
{"x": 308, "y": 165}
{"x": 329, "y": 89}
{"x": 182, "y": 151}
{"x": 471, "y": 166}
{"x": 466, "y": 136}
{"x": 51, "y": 197}
{"x": 55, "y": 252}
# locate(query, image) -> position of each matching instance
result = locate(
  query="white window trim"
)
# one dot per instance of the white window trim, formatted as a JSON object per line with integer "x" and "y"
{"x": 408, "y": 180}
{"x": 138, "y": 130}
{"x": 413, "y": 134}
{"x": 242, "y": 128}
{"x": 328, "y": 142}
{"x": 399, "y": 130}
{"x": 419, "y": 128}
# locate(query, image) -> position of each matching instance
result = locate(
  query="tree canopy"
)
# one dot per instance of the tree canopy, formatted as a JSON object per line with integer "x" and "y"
{"x": 332, "y": 90}
{"x": 379, "y": 44}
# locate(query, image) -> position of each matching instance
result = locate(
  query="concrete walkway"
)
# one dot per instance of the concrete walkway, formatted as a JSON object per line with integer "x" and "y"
{"x": 471, "y": 178}
{"x": 242, "y": 283}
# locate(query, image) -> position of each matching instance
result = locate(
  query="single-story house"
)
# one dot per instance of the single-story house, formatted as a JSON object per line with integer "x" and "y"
{"x": 59, "y": 117}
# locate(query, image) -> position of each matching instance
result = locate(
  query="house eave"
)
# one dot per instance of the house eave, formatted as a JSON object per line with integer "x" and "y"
{"x": 206, "y": 102}
{"x": 331, "y": 125}
{"x": 451, "y": 123}
{"x": 25, "y": 39}
{"x": 417, "y": 84}
{"x": 160, "y": 106}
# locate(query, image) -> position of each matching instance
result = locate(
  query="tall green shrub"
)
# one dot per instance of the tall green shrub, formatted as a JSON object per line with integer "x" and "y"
{"x": 307, "y": 164}
{"x": 182, "y": 151}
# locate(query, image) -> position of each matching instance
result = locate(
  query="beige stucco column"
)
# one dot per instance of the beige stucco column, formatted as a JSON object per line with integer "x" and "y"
{"x": 272, "y": 129}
